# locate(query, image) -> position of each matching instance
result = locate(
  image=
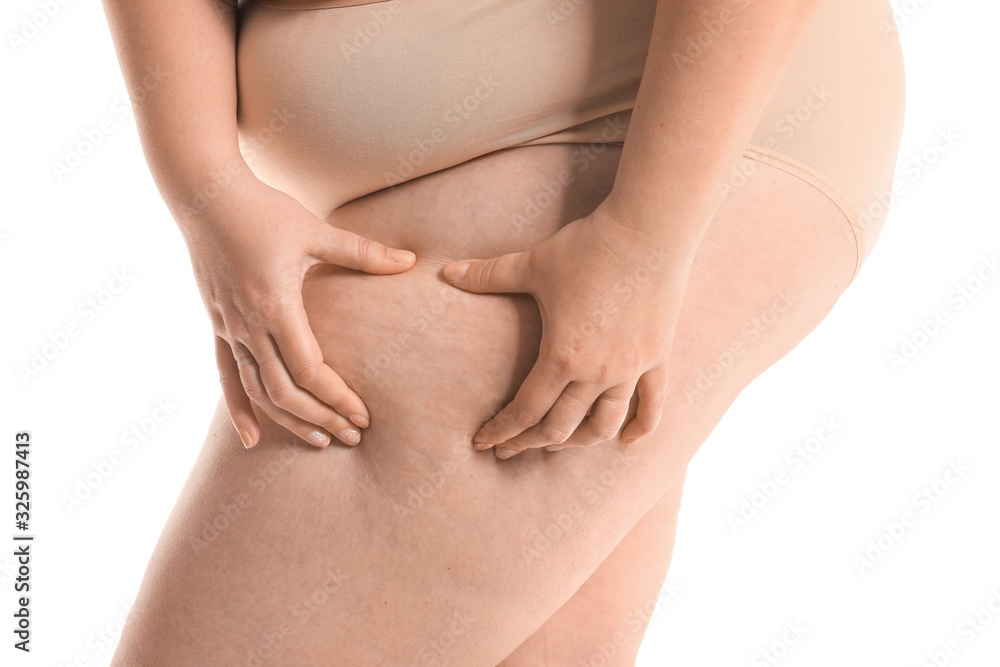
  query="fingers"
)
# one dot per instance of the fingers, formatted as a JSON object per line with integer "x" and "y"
{"x": 289, "y": 397}
{"x": 249, "y": 374}
{"x": 343, "y": 248}
{"x": 503, "y": 274}
{"x": 607, "y": 414}
{"x": 237, "y": 402}
{"x": 606, "y": 418}
{"x": 652, "y": 387}
{"x": 560, "y": 423}
{"x": 302, "y": 356}
{"x": 268, "y": 384}
{"x": 537, "y": 394}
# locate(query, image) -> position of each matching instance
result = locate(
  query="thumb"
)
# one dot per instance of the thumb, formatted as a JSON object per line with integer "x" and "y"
{"x": 347, "y": 249}
{"x": 506, "y": 273}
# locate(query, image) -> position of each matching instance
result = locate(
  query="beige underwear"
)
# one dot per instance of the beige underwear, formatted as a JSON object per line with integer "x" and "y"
{"x": 360, "y": 95}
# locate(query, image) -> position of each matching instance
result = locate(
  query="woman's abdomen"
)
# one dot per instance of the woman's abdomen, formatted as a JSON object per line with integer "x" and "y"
{"x": 341, "y": 102}
{"x": 373, "y": 95}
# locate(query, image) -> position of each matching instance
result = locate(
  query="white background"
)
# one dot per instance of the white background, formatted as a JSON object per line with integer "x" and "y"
{"x": 62, "y": 239}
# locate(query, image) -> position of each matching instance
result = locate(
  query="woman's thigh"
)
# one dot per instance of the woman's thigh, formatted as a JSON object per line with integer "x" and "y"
{"x": 604, "y": 622}
{"x": 413, "y": 547}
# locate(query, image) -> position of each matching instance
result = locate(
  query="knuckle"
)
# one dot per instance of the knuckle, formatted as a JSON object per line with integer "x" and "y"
{"x": 524, "y": 418}
{"x": 241, "y": 330}
{"x": 616, "y": 403}
{"x": 307, "y": 375}
{"x": 606, "y": 433}
{"x": 244, "y": 361}
{"x": 554, "y": 435}
{"x": 264, "y": 313}
{"x": 365, "y": 248}
{"x": 604, "y": 371}
{"x": 280, "y": 396}
{"x": 564, "y": 360}
{"x": 486, "y": 271}
{"x": 254, "y": 392}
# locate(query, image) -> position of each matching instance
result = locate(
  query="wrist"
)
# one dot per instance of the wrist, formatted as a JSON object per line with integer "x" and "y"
{"x": 667, "y": 231}
{"x": 197, "y": 190}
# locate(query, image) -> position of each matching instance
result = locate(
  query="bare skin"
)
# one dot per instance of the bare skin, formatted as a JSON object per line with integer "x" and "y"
{"x": 689, "y": 125}
{"x": 179, "y": 63}
{"x": 527, "y": 551}
{"x": 414, "y": 547}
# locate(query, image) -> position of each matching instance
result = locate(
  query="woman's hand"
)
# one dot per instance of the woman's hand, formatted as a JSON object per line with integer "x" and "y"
{"x": 609, "y": 299}
{"x": 250, "y": 249}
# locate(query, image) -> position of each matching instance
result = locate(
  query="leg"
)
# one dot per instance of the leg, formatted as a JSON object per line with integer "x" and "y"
{"x": 413, "y": 547}
{"x": 603, "y": 611}
{"x": 604, "y": 622}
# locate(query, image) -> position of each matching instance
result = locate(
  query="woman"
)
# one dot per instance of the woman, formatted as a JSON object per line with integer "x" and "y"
{"x": 568, "y": 288}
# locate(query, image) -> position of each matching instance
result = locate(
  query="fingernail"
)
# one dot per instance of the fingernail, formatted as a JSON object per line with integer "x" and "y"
{"x": 359, "y": 420}
{"x": 504, "y": 453}
{"x": 318, "y": 438}
{"x": 480, "y": 437}
{"x": 482, "y": 445}
{"x": 400, "y": 256}
{"x": 553, "y": 448}
{"x": 349, "y": 436}
{"x": 245, "y": 437}
{"x": 630, "y": 441}
{"x": 455, "y": 272}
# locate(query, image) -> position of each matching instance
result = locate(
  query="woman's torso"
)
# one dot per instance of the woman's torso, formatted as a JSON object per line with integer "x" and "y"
{"x": 337, "y": 103}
